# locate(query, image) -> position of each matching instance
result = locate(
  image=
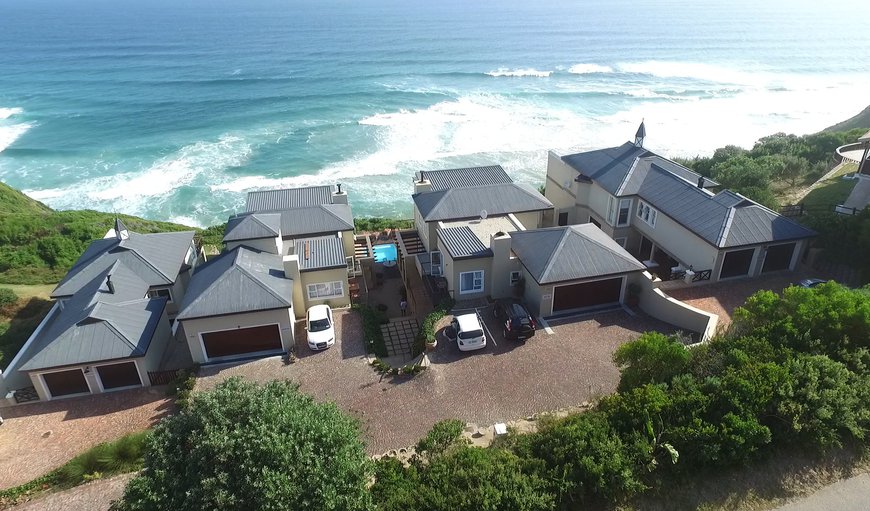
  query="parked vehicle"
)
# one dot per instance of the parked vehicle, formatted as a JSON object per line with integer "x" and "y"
{"x": 467, "y": 332}
{"x": 810, "y": 283}
{"x": 518, "y": 325}
{"x": 320, "y": 327}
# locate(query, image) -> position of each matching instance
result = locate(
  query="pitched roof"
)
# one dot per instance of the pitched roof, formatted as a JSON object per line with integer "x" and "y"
{"x": 277, "y": 200}
{"x": 99, "y": 323}
{"x": 462, "y": 243}
{"x": 252, "y": 226}
{"x": 497, "y": 199}
{"x": 320, "y": 253}
{"x": 558, "y": 254}
{"x": 726, "y": 219}
{"x": 324, "y": 218}
{"x": 464, "y": 177}
{"x": 241, "y": 280}
{"x": 156, "y": 258}
{"x": 612, "y": 167}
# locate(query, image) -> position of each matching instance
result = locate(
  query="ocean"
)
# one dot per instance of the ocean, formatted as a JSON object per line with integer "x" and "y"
{"x": 174, "y": 109}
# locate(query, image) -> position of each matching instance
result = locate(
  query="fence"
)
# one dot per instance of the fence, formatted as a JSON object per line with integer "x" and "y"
{"x": 801, "y": 209}
{"x": 162, "y": 377}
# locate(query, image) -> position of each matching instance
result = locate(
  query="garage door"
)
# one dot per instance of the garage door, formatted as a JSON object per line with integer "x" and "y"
{"x": 737, "y": 263}
{"x": 66, "y": 383}
{"x": 115, "y": 376}
{"x": 588, "y": 294}
{"x": 778, "y": 257}
{"x": 241, "y": 341}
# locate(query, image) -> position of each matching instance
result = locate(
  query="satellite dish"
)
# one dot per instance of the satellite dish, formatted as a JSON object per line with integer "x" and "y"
{"x": 483, "y": 214}
{"x": 566, "y": 183}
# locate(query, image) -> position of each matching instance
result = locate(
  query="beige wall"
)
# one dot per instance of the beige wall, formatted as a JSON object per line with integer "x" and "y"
{"x": 300, "y": 290}
{"x": 679, "y": 242}
{"x": 194, "y": 327}
{"x": 535, "y": 296}
{"x": 664, "y": 308}
{"x": 452, "y": 269}
{"x": 347, "y": 242}
{"x": 502, "y": 265}
{"x": 529, "y": 219}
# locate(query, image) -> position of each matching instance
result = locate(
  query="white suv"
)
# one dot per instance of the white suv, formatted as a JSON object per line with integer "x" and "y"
{"x": 469, "y": 333}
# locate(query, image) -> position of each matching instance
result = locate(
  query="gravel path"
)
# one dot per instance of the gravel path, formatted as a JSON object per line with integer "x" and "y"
{"x": 851, "y": 494}
{"x": 94, "y": 496}
{"x": 36, "y": 438}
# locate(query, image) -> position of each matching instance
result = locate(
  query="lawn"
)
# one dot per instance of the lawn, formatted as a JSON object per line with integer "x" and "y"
{"x": 829, "y": 194}
{"x": 18, "y": 321}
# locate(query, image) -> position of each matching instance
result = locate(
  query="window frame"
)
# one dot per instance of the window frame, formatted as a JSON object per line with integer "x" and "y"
{"x": 336, "y": 285}
{"x": 647, "y": 213}
{"x": 155, "y": 293}
{"x": 432, "y": 265}
{"x": 514, "y": 281}
{"x": 476, "y": 282}
{"x": 623, "y": 205}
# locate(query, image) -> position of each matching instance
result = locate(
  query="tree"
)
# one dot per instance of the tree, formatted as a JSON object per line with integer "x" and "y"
{"x": 248, "y": 446}
{"x": 652, "y": 358}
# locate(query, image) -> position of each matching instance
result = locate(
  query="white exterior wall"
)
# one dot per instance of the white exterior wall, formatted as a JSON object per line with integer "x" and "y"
{"x": 194, "y": 327}
{"x": 529, "y": 219}
{"x": 682, "y": 244}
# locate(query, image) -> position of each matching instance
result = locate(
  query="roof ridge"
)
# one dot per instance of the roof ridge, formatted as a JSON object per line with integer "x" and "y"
{"x": 725, "y": 229}
{"x": 261, "y": 284}
{"x": 196, "y": 300}
{"x": 550, "y": 260}
{"x": 330, "y": 212}
{"x": 601, "y": 245}
{"x": 255, "y": 217}
{"x": 121, "y": 335}
{"x": 146, "y": 261}
{"x": 621, "y": 188}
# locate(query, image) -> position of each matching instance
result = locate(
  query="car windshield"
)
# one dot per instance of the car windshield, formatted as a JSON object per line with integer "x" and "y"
{"x": 318, "y": 325}
{"x": 470, "y": 334}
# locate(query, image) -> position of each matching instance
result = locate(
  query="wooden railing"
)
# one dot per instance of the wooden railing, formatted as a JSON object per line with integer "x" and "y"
{"x": 162, "y": 377}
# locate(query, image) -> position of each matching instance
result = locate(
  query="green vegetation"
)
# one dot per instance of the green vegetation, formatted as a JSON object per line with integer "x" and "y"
{"x": 372, "y": 320}
{"x": 792, "y": 374}
{"x": 775, "y": 165}
{"x": 829, "y": 194}
{"x": 858, "y": 122}
{"x": 14, "y": 202}
{"x": 375, "y": 224}
{"x": 427, "y": 331}
{"x": 103, "y": 460}
{"x": 18, "y": 319}
{"x": 248, "y": 446}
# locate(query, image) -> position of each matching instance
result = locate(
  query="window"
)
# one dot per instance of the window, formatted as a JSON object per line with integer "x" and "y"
{"x": 160, "y": 293}
{"x": 620, "y": 242}
{"x": 470, "y": 282}
{"x": 646, "y": 213}
{"x": 624, "y": 208}
{"x": 515, "y": 278}
{"x": 594, "y": 222}
{"x": 618, "y": 211}
{"x": 436, "y": 263}
{"x": 325, "y": 290}
{"x": 563, "y": 218}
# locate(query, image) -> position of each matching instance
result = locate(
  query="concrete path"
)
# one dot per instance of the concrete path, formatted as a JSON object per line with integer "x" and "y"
{"x": 94, "y": 496}
{"x": 851, "y": 494}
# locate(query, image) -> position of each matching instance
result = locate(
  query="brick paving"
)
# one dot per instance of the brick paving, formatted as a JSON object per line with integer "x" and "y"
{"x": 36, "y": 438}
{"x": 399, "y": 336}
{"x": 506, "y": 380}
{"x": 723, "y": 297}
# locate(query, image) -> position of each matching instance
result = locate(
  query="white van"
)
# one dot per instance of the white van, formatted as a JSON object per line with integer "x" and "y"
{"x": 469, "y": 333}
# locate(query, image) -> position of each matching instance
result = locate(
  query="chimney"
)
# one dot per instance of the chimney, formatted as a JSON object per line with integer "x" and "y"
{"x": 339, "y": 197}
{"x": 701, "y": 182}
{"x": 110, "y": 284}
{"x": 422, "y": 185}
{"x": 291, "y": 267}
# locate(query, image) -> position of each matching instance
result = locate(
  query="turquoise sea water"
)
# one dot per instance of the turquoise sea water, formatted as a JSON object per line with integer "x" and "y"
{"x": 174, "y": 109}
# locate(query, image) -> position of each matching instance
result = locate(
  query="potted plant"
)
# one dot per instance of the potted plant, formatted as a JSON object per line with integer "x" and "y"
{"x": 633, "y": 295}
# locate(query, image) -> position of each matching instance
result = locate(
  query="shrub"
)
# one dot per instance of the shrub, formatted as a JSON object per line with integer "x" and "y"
{"x": 372, "y": 320}
{"x": 248, "y": 446}
{"x": 652, "y": 358}
{"x": 7, "y": 297}
{"x": 442, "y": 435}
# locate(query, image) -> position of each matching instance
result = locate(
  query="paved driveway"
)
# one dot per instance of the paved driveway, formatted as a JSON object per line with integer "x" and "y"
{"x": 36, "y": 438}
{"x": 504, "y": 381}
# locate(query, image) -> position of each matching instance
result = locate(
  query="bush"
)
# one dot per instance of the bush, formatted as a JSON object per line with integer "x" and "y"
{"x": 7, "y": 297}
{"x": 442, "y": 436}
{"x": 652, "y": 358}
{"x": 248, "y": 446}
{"x": 372, "y": 320}
{"x": 427, "y": 330}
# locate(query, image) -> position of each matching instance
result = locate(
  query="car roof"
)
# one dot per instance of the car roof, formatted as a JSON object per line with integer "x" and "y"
{"x": 316, "y": 312}
{"x": 468, "y": 322}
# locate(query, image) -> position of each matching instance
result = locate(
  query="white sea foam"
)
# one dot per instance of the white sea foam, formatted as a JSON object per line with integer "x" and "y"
{"x": 696, "y": 70}
{"x": 9, "y": 134}
{"x": 518, "y": 73}
{"x": 585, "y": 69}
{"x": 6, "y": 113}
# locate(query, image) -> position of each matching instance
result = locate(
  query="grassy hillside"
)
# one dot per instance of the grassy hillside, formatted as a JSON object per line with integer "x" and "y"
{"x": 861, "y": 121}
{"x": 38, "y": 244}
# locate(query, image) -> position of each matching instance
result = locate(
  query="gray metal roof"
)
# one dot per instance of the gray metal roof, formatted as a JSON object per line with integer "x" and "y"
{"x": 612, "y": 167}
{"x": 99, "y": 323}
{"x": 157, "y": 259}
{"x": 320, "y": 253}
{"x": 321, "y": 219}
{"x": 726, "y": 219}
{"x": 462, "y": 243}
{"x": 574, "y": 252}
{"x": 241, "y": 280}
{"x": 252, "y": 226}
{"x": 277, "y": 200}
{"x": 498, "y": 199}
{"x": 472, "y": 176}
